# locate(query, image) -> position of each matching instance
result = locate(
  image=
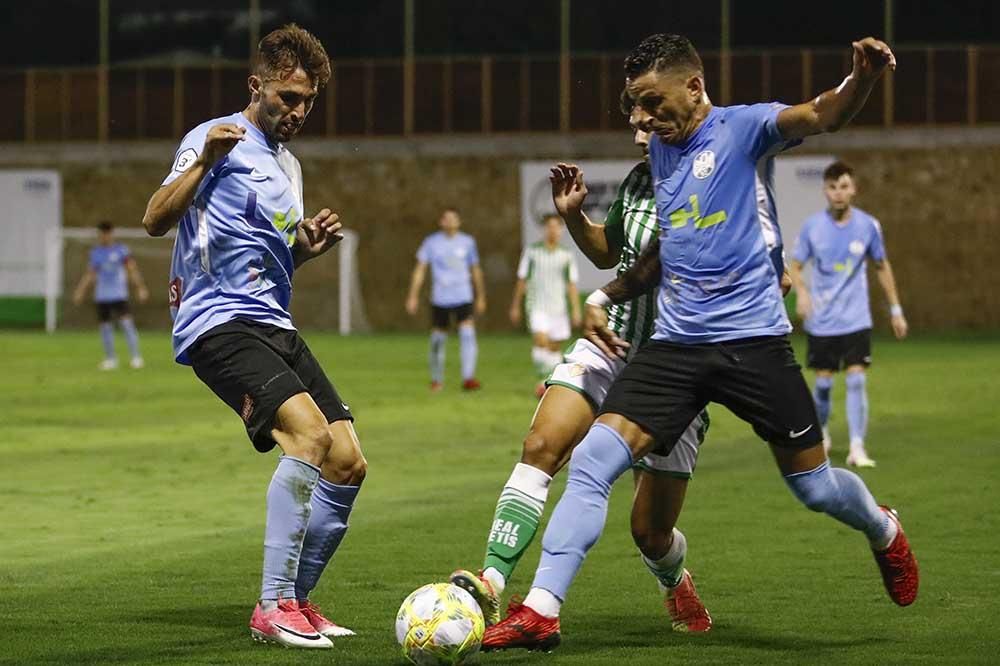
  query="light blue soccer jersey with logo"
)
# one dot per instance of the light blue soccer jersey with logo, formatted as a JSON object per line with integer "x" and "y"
{"x": 109, "y": 265}
{"x": 233, "y": 253}
{"x": 720, "y": 245}
{"x": 451, "y": 260}
{"x": 839, "y": 282}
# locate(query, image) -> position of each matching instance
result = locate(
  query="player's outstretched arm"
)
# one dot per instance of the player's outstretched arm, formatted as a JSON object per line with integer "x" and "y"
{"x": 169, "y": 203}
{"x": 883, "y": 269}
{"x": 834, "y": 108}
{"x": 569, "y": 191}
{"x": 88, "y": 279}
{"x": 416, "y": 282}
{"x": 135, "y": 277}
{"x": 479, "y": 282}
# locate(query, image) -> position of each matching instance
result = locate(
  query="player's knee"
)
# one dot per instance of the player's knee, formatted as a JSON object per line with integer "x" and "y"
{"x": 542, "y": 452}
{"x": 855, "y": 380}
{"x": 817, "y": 489}
{"x": 311, "y": 444}
{"x": 651, "y": 542}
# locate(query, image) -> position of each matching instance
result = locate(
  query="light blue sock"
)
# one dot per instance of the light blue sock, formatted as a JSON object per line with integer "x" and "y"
{"x": 842, "y": 495}
{"x": 821, "y": 394}
{"x": 131, "y": 336}
{"x": 578, "y": 519}
{"x": 469, "y": 350}
{"x": 857, "y": 406}
{"x": 438, "y": 338}
{"x": 288, "y": 507}
{"x": 331, "y": 506}
{"x": 108, "y": 339}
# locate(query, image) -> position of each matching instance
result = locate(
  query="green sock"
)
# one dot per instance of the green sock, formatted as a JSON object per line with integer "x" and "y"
{"x": 669, "y": 569}
{"x": 516, "y": 519}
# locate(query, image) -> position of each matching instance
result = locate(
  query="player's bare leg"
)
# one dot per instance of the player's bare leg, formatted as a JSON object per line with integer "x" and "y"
{"x": 842, "y": 495}
{"x": 560, "y": 422}
{"x": 857, "y": 416}
{"x": 821, "y": 396}
{"x": 657, "y": 504}
{"x": 300, "y": 429}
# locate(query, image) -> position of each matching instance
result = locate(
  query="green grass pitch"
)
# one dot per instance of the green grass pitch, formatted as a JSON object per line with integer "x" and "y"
{"x": 133, "y": 514}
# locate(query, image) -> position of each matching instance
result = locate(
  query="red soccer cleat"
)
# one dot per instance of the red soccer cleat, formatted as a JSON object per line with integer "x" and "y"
{"x": 522, "y": 628}
{"x": 471, "y": 384}
{"x": 321, "y": 623}
{"x": 436, "y": 387}
{"x": 898, "y": 566}
{"x": 687, "y": 613}
{"x": 285, "y": 625}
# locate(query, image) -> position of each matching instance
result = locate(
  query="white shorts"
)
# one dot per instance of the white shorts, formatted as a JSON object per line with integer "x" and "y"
{"x": 587, "y": 370}
{"x": 555, "y": 327}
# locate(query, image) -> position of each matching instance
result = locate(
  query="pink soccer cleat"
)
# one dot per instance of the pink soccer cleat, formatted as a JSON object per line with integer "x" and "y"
{"x": 321, "y": 623}
{"x": 287, "y": 626}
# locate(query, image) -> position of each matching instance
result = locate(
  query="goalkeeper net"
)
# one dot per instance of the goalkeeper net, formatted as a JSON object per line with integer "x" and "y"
{"x": 327, "y": 292}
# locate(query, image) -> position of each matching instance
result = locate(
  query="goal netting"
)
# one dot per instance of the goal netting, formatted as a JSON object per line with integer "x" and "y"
{"x": 327, "y": 292}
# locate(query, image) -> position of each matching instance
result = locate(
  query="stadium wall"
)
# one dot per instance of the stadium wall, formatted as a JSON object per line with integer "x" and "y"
{"x": 933, "y": 190}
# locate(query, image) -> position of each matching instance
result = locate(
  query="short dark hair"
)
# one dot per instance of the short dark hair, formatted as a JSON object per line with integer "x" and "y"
{"x": 104, "y": 225}
{"x": 836, "y": 170}
{"x": 287, "y": 48}
{"x": 660, "y": 52}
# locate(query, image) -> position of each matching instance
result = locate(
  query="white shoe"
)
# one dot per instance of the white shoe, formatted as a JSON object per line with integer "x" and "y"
{"x": 108, "y": 364}
{"x": 137, "y": 363}
{"x": 859, "y": 459}
{"x": 827, "y": 443}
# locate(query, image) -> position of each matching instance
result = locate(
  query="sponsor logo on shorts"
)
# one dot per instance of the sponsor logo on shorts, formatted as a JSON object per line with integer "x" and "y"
{"x": 247, "y": 410}
{"x": 795, "y": 435}
{"x": 577, "y": 369}
{"x": 174, "y": 292}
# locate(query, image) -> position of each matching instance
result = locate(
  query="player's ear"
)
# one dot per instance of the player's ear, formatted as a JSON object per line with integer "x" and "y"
{"x": 695, "y": 87}
{"x": 255, "y": 85}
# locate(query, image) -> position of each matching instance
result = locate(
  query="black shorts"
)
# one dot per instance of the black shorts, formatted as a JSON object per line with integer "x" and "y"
{"x": 666, "y": 385}
{"x": 254, "y": 368}
{"x": 112, "y": 310}
{"x": 442, "y": 317}
{"x": 836, "y": 352}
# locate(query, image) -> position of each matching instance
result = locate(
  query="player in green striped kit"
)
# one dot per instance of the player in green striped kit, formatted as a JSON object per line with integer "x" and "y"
{"x": 575, "y": 390}
{"x": 547, "y": 273}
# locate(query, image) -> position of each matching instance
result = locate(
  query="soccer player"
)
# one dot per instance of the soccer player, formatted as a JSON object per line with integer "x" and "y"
{"x": 109, "y": 271}
{"x": 838, "y": 241}
{"x": 568, "y": 407}
{"x": 721, "y": 328}
{"x": 547, "y": 273}
{"x": 235, "y": 193}
{"x": 458, "y": 293}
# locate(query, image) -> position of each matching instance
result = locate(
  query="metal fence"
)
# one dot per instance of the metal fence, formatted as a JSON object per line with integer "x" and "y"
{"x": 934, "y": 85}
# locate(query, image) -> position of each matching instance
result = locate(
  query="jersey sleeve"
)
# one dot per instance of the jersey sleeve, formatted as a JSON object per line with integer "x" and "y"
{"x": 802, "y": 252}
{"x": 876, "y": 247}
{"x": 189, "y": 150}
{"x": 755, "y": 128}
{"x": 424, "y": 251}
{"x": 524, "y": 265}
{"x": 572, "y": 273}
{"x": 126, "y": 254}
{"x": 473, "y": 256}
{"x": 93, "y": 262}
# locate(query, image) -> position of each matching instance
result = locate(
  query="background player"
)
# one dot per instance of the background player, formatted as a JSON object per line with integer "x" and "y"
{"x": 721, "y": 326}
{"x": 236, "y": 193}
{"x": 547, "y": 273}
{"x": 834, "y": 306}
{"x": 457, "y": 292}
{"x": 574, "y": 394}
{"x": 109, "y": 270}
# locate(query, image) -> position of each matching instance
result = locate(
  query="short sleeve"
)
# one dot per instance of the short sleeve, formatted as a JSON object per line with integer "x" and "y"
{"x": 126, "y": 253}
{"x": 187, "y": 153}
{"x": 524, "y": 266}
{"x": 473, "y": 256}
{"x": 614, "y": 222}
{"x": 94, "y": 260}
{"x": 424, "y": 251}
{"x": 876, "y": 248}
{"x": 755, "y": 128}
{"x": 573, "y": 274}
{"x": 802, "y": 252}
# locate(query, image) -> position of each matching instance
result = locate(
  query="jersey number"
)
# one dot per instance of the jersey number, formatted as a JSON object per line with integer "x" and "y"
{"x": 680, "y": 217}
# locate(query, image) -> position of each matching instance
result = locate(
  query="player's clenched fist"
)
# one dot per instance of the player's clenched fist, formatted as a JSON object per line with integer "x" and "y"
{"x": 219, "y": 141}
{"x": 871, "y": 57}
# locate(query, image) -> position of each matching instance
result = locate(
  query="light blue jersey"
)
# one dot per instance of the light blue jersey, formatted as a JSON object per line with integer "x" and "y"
{"x": 109, "y": 263}
{"x": 839, "y": 283}
{"x": 720, "y": 247}
{"x": 451, "y": 260}
{"x": 233, "y": 253}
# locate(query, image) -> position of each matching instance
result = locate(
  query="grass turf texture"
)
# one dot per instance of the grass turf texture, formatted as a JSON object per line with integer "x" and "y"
{"x": 133, "y": 513}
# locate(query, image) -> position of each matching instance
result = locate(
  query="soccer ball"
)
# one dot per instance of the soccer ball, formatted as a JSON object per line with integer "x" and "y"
{"x": 439, "y": 624}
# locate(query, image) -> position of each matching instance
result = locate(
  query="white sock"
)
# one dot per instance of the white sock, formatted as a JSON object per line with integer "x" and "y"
{"x": 857, "y": 445}
{"x": 496, "y": 579}
{"x": 543, "y": 602}
{"x": 891, "y": 531}
{"x": 669, "y": 569}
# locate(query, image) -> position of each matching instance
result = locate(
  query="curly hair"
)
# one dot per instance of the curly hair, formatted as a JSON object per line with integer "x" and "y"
{"x": 289, "y": 47}
{"x": 662, "y": 51}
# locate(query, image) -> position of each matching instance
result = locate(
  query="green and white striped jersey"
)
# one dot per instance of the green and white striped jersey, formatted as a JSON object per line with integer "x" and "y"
{"x": 631, "y": 224}
{"x": 548, "y": 272}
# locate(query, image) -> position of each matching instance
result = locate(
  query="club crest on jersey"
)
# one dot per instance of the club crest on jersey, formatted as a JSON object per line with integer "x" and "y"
{"x": 704, "y": 164}
{"x": 856, "y": 248}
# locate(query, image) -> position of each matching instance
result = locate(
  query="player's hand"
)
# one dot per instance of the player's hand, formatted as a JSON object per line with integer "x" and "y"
{"x": 568, "y": 188}
{"x": 480, "y": 306}
{"x": 803, "y": 306}
{"x": 411, "y": 305}
{"x": 871, "y": 57}
{"x": 143, "y": 294}
{"x": 219, "y": 141}
{"x": 899, "y": 327}
{"x": 77, "y": 299}
{"x": 786, "y": 283}
{"x": 515, "y": 315}
{"x": 595, "y": 329}
{"x": 317, "y": 234}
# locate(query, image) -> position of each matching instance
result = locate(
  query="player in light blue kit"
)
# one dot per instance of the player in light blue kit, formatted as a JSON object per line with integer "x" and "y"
{"x": 721, "y": 330}
{"x": 838, "y": 241}
{"x": 235, "y": 194}
{"x": 109, "y": 270}
{"x": 457, "y": 292}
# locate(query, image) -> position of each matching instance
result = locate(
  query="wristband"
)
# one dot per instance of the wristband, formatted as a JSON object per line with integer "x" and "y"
{"x": 599, "y": 299}
{"x": 896, "y": 310}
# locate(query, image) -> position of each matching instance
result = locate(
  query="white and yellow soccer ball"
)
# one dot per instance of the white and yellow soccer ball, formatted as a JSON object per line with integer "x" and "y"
{"x": 439, "y": 624}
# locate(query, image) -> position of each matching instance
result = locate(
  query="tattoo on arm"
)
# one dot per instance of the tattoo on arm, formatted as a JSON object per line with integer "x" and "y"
{"x": 640, "y": 278}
